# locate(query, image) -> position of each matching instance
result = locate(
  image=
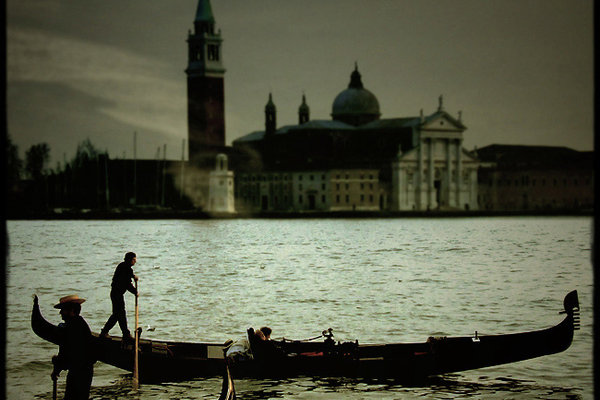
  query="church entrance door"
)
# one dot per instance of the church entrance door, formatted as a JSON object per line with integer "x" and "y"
{"x": 312, "y": 204}
{"x": 265, "y": 203}
{"x": 437, "y": 185}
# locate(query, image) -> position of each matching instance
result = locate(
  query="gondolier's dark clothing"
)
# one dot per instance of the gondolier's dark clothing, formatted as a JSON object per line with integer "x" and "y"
{"x": 121, "y": 283}
{"x": 77, "y": 355}
{"x": 122, "y": 279}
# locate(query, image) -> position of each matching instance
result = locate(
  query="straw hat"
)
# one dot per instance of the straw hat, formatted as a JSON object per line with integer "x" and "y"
{"x": 73, "y": 298}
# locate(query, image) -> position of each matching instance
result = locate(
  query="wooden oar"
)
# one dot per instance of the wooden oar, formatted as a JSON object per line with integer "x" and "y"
{"x": 136, "y": 380}
{"x": 54, "y": 388}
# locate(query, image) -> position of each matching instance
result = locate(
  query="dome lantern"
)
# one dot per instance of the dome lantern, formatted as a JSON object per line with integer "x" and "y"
{"x": 355, "y": 105}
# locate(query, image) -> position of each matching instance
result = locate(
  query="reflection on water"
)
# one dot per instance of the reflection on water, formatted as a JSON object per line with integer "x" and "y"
{"x": 309, "y": 388}
{"x": 378, "y": 281}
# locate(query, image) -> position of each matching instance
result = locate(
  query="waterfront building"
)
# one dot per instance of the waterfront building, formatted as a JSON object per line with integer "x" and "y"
{"x": 535, "y": 178}
{"x": 358, "y": 160}
{"x": 355, "y": 161}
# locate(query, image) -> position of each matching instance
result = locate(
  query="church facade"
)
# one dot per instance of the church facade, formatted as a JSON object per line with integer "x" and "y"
{"x": 356, "y": 161}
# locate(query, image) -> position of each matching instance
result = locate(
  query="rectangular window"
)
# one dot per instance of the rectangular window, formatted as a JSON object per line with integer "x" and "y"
{"x": 337, "y": 198}
{"x": 322, "y": 186}
{"x": 347, "y": 199}
{"x": 300, "y": 199}
{"x": 323, "y": 199}
{"x": 362, "y": 198}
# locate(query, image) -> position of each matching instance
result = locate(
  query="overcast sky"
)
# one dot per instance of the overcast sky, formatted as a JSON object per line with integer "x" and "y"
{"x": 520, "y": 71}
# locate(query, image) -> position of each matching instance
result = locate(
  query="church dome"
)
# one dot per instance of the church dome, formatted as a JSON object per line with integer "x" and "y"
{"x": 355, "y": 105}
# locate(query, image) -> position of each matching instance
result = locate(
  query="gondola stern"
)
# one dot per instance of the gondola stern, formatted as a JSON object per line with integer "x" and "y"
{"x": 43, "y": 328}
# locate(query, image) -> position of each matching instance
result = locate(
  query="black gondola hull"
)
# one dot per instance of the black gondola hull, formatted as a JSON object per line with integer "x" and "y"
{"x": 174, "y": 361}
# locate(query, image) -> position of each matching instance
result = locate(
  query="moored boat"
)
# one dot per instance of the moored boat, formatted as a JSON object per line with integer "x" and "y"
{"x": 171, "y": 361}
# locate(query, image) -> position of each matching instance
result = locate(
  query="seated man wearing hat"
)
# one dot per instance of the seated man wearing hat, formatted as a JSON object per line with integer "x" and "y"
{"x": 76, "y": 350}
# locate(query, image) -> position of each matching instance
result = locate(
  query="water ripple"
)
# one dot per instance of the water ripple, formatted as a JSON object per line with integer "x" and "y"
{"x": 372, "y": 280}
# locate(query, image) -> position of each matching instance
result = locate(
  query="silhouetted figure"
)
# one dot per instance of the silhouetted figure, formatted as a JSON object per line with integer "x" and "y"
{"x": 76, "y": 350}
{"x": 121, "y": 283}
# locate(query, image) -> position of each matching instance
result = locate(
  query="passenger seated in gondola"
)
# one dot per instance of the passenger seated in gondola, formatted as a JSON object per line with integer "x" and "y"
{"x": 263, "y": 333}
{"x": 261, "y": 344}
{"x": 244, "y": 349}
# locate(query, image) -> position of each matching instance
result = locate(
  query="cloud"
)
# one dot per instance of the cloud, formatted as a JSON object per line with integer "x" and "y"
{"x": 135, "y": 86}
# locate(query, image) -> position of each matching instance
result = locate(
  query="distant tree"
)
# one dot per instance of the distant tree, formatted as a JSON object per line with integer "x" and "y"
{"x": 84, "y": 175}
{"x": 14, "y": 164}
{"x": 36, "y": 159}
{"x": 85, "y": 152}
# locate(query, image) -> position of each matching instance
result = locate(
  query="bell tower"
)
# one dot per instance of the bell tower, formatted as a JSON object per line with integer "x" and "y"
{"x": 270, "y": 117}
{"x": 303, "y": 112}
{"x": 205, "y": 86}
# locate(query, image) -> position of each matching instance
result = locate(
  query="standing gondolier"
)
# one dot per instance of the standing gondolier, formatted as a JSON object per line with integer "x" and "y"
{"x": 121, "y": 283}
{"x": 76, "y": 350}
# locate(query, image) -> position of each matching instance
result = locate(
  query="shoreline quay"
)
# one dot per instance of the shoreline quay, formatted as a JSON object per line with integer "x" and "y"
{"x": 197, "y": 214}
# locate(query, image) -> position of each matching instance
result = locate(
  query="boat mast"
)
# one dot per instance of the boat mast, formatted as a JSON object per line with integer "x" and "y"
{"x": 134, "y": 168}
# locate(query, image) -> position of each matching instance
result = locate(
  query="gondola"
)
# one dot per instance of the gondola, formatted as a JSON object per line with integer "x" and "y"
{"x": 163, "y": 361}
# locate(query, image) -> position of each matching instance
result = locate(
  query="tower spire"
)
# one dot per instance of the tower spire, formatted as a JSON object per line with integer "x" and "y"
{"x": 303, "y": 111}
{"x": 270, "y": 117}
{"x": 204, "y": 21}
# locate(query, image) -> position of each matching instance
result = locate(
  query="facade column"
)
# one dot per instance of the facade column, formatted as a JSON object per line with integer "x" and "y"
{"x": 397, "y": 184}
{"x": 419, "y": 180}
{"x": 448, "y": 178}
{"x": 430, "y": 177}
{"x": 458, "y": 173}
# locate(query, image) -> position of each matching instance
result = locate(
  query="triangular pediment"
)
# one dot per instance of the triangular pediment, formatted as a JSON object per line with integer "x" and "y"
{"x": 442, "y": 121}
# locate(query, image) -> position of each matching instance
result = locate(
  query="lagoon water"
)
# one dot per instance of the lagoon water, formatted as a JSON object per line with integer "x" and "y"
{"x": 375, "y": 280}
